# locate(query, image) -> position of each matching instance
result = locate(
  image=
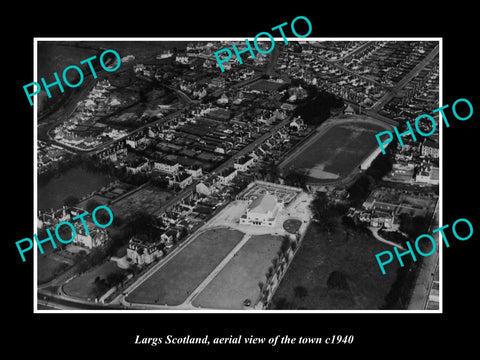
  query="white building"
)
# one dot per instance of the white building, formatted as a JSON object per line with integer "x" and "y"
{"x": 244, "y": 163}
{"x": 195, "y": 171}
{"x": 96, "y": 237}
{"x": 262, "y": 211}
{"x": 206, "y": 187}
{"x": 164, "y": 54}
{"x": 430, "y": 148}
{"x": 166, "y": 166}
{"x": 141, "y": 252}
{"x": 182, "y": 59}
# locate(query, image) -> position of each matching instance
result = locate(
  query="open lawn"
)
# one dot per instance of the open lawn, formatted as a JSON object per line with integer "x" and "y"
{"x": 48, "y": 267}
{"x": 175, "y": 280}
{"x": 335, "y": 153}
{"x": 239, "y": 279}
{"x": 83, "y": 285}
{"x": 350, "y": 253}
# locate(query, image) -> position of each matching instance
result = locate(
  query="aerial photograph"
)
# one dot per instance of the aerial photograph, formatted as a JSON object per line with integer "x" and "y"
{"x": 259, "y": 188}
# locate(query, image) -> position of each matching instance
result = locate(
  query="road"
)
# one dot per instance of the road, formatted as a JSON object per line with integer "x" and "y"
{"x": 426, "y": 274}
{"x": 374, "y": 231}
{"x": 58, "y": 302}
{"x": 409, "y": 76}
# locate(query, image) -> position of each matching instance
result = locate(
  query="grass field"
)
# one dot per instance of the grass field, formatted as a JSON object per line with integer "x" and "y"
{"x": 175, "y": 280}
{"x": 147, "y": 199}
{"x": 265, "y": 85}
{"x": 336, "y": 153}
{"x": 352, "y": 254}
{"x": 239, "y": 279}
{"x": 47, "y": 267}
{"x": 83, "y": 285}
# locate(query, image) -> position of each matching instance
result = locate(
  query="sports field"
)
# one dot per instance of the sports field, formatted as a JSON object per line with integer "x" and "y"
{"x": 335, "y": 153}
{"x": 240, "y": 277}
{"x": 176, "y": 280}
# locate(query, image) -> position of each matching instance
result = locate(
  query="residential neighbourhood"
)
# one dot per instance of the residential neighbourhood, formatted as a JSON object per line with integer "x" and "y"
{"x": 228, "y": 187}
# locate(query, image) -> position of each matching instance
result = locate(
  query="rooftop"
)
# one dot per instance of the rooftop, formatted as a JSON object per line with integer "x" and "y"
{"x": 263, "y": 204}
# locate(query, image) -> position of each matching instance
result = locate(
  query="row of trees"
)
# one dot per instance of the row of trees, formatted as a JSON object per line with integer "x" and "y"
{"x": 101, "y": 285}
{"x": 279, "y": 264}
{"x": 318, "y": 106}
{"x": 360, "y": 189}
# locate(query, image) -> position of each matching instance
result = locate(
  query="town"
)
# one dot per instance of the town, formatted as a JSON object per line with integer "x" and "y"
{"x": 257, "y": 188}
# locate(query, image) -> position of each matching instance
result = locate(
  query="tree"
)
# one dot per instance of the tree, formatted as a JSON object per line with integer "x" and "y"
{"x": 114, "y": 278}
{"x": 71, "y": 200}
{"x": 319, "y": 206}
{"x": 160, "y": 182}
{"x": 360, "y": 189}
{"x": 413, "y": 226}
{"x": 327, "y": 224}
{"x": 294, "y": 178}
{"x": 337, "y": 280}
{"x": 143, "y": 223}
{"x": 272, "y": 171}
{"x": 380, "y": 167}
{"x": 91, "y": 205}
{"x": 348, "y": 222}
{"x": 300, "y": 291}
{"x": 317, "y": 107}
{"x": 99, "y": 288}
{"x": 285, "y": 244}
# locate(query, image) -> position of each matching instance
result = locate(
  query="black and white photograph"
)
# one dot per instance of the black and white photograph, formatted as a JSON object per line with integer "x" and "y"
{"x": 262, "y": 187}
{"x": 226, "y": 181}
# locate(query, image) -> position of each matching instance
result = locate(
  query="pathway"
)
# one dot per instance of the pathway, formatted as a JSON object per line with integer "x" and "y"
{"x": 374, "y": 231}
{"x": 219, "y": 268}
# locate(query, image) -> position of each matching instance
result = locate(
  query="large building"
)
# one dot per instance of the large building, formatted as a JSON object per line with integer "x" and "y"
{"x": 142, "y": 252}
{"x": 261, "y": 211}
{"x": 95, "y": 237}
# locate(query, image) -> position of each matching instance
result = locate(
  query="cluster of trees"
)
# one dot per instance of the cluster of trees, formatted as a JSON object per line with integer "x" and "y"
{"x": 399, "y": 295}
{"x": 279, "y": 263}
{"x": 318, "y": 106}
{"x": 101, "y": 286}
{"x": 328, "y": 214}
{"x": 96, "y": 257}
{"x": 360, "y": 189}
{"x": 294, "y": 178}
{"x": 144, "y": 224}
{"x": 413, "y": 226}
